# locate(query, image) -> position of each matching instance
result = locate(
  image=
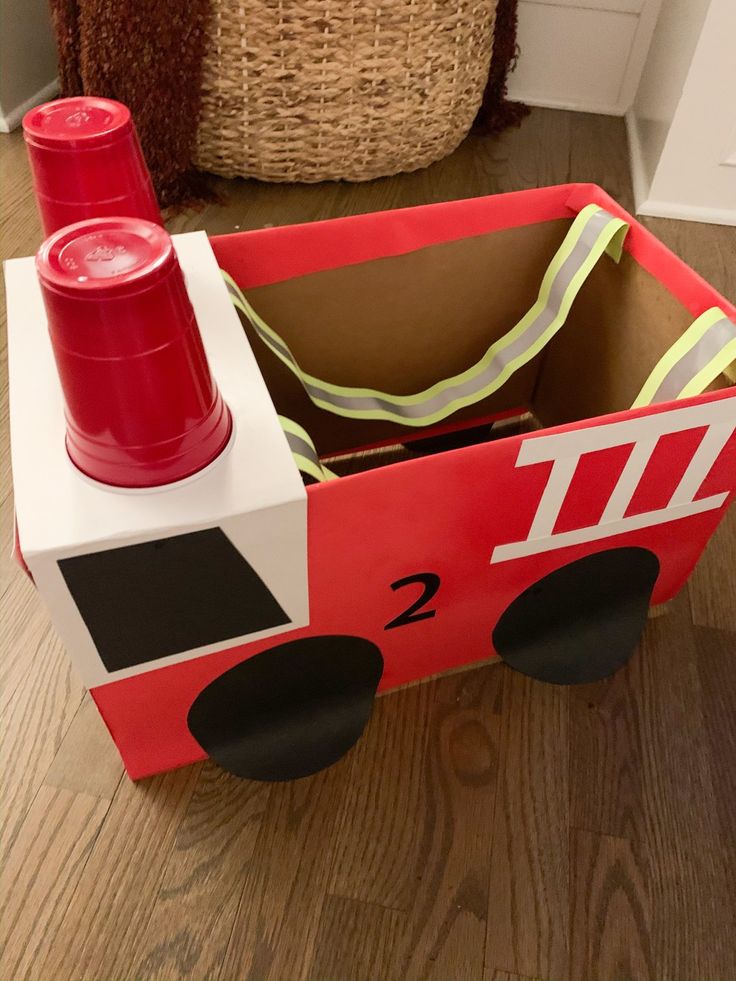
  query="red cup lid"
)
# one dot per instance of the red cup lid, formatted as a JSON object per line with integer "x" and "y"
{"x": 105, "y": 256}
{"x": 79, "y": 123}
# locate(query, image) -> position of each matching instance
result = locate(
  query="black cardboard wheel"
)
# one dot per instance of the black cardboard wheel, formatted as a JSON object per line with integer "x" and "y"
{"x": 290, "y": 711}
{"x": 582, "y": 622}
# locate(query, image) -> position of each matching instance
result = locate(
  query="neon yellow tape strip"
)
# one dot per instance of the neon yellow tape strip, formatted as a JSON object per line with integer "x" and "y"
{"x": 704, "y": 351}
{"x": 303, "y": 450}
{"x": 593, "y": 232}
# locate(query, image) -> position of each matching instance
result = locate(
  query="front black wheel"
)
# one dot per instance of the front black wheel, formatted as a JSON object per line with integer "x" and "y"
{"x": 290, "y": 711}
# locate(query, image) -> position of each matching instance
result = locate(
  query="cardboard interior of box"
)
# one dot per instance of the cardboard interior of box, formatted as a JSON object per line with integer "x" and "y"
{"x": 403, "y": 323}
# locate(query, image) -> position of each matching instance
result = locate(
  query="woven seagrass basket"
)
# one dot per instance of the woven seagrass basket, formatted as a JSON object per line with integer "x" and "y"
{"x": 339, "y": 89}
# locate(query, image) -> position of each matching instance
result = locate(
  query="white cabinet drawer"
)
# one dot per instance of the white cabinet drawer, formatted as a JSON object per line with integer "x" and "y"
{"x": 573, "y": 57}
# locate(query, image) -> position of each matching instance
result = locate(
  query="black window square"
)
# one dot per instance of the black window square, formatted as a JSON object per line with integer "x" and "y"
{"x": 143, "y": 602}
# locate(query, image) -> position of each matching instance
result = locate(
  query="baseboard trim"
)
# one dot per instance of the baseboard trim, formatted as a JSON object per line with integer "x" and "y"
{"x": 639, "y": 178}
{"x": 570, "y": 106}
{"x": 687, "y": 212}
{"x": 11, "y": 119}
{"x": 654, "y": 208}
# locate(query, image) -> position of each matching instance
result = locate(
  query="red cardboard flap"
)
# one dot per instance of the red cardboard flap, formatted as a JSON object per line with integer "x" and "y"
{"x": 274, "y": 254}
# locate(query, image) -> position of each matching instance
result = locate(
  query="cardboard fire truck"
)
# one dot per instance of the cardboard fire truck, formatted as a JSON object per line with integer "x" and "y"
{"x": 250, "y": 615}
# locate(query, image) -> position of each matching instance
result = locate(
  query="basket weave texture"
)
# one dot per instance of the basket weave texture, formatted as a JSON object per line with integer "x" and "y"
{"x": 339, "y": 89}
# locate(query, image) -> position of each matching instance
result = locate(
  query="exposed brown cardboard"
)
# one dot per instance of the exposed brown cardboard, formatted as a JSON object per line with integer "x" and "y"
{"x": 622, "y": 322}
{"x": 403, "y": 323}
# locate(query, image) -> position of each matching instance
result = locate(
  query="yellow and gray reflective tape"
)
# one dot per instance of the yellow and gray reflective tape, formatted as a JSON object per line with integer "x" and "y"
{"x": 704, "y": 351}
{"x": 303, "y": 451}
{"x": 593, "y": 232}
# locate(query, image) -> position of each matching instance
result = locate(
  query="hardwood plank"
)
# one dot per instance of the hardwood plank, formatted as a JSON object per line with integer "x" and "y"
{"x": 599, "y": 152}
{"x": 39, "y": 694}
{"x": 447, "y": 906}
{"x": 447, "y": 923}
{"x": 356, "y": 940}
{"x": 11, "y": 572}
{"x": 606, "y": 750}
{"x": 637, "y": 740}
{"x": 692, "y": 894}
{"x": 118, "y": 886}
{"x": 716, "y": 662}
{"x": 198, "y": 896}
{"x": 506, "y": 976}
{"x": 87, "y": 761}
{"x": 691, "y": 900}
{"x": 610, "y": 917}
{"x": 678, "y": 798}
{"x": 285, "y": 884}
{"x": 640, "y": 768}
{"x": 530, "y": 861}
{"x": 20, "y": 225}
{"x": 386, "y": 792}
{"x": 40, "y": 875}
{"x": 533, "y": 155}
{"x": 712, "y": 585}
{"x": 709, "y": 249}
{"x": 39, "y": 711}
{"x": 24, "y": 631}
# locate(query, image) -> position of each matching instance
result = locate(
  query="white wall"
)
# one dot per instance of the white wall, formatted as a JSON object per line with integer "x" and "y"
{"x": 682, "y": 126}
{"x": 27, "y": 58}
{"x": 582, "y": 54}
{"x": 668, "y": 63}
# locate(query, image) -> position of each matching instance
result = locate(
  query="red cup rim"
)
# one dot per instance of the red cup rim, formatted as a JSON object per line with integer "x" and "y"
{"x": 105, "y": 256}
{"x": 82, "y": 122}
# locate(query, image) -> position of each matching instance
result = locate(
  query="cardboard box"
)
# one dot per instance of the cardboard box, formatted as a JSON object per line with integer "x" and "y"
{"x": 545, "y": 546}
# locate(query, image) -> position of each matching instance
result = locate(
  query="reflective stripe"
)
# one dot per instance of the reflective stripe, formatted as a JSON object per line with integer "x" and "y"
{"x": 593, "y": 232}
{"x": 300, "y": 446}
{"x": 303, "y": 451}
{"x": 703, "y": 352}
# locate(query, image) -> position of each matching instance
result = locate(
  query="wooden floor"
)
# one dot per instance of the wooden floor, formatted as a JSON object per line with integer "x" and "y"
{"x": 486, "y": 828}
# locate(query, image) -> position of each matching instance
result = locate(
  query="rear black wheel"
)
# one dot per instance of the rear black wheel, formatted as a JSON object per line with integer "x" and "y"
{"x": 581, "y": 622}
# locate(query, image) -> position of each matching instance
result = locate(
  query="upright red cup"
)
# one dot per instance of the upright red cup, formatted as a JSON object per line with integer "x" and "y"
{"x": 87, "y": 162}
{"x": 142, "y": 408}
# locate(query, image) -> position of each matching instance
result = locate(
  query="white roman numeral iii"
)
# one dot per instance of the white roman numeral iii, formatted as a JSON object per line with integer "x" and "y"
{"x": 565, "y": 449}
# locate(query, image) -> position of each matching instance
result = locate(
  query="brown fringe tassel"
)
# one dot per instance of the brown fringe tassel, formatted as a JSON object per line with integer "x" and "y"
{"x": 149, "y": 56}
{"x": 496, "y": 112}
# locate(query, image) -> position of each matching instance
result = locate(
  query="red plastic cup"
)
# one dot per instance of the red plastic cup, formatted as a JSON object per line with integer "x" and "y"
{"x": 87, "y": 162}
{"x": 142, "y": 408}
